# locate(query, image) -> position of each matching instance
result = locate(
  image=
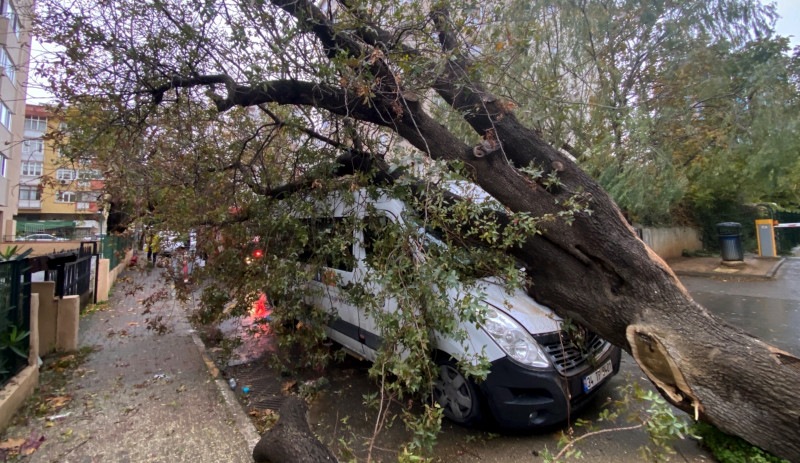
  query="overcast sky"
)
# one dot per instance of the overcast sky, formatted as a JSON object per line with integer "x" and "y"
{"x": 789, "y": 22}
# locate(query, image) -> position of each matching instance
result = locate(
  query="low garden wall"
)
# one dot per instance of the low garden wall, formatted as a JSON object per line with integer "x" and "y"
{"x": 671, "y": 242}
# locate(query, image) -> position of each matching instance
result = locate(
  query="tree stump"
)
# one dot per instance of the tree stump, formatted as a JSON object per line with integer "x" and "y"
{"x": 291, "y": 440}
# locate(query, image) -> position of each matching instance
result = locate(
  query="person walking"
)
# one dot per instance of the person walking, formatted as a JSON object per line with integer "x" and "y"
{"x": 153, "y": 247}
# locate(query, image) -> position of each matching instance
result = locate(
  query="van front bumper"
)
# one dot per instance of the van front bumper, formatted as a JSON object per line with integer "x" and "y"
{"x": 522, "y": 398}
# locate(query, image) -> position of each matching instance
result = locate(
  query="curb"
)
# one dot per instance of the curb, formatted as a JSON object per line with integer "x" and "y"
{"x": 239, "y": 415}
{"x": 774, "y": 269}
{"x": 769, "y": 275}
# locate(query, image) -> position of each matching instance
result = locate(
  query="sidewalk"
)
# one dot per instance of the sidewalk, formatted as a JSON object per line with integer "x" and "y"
{"x": 751, "y": 267}
{"x": 143, "y": 396}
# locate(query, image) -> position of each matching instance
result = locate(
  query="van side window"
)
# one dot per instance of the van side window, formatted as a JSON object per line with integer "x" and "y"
{"x": 374, "y": 226}
{"x": 322, "y": 230}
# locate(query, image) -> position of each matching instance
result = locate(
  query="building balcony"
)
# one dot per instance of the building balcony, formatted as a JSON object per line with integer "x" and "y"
{"x": 30, "y": 204}
{"x": 83, "y": 206}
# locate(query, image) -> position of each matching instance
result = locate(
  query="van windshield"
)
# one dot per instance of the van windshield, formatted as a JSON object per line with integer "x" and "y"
{"x": 470, "y": 260}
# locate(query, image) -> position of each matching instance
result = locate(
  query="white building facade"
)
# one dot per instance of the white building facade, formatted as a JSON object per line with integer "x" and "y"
{"x": 15, "y": 52}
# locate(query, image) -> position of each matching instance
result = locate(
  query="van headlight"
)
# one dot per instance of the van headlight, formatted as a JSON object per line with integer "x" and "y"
{"x": 514, "y": 339}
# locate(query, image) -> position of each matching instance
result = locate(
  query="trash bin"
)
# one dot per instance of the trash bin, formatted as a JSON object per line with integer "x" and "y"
{"x": 730, "y": 241}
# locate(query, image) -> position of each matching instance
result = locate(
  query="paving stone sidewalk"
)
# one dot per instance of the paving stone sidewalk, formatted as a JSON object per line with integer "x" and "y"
{"x": 143, "y": 396}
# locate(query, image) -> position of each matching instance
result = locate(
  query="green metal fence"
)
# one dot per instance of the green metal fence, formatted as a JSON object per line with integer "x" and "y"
{"x": 114, "y": 248}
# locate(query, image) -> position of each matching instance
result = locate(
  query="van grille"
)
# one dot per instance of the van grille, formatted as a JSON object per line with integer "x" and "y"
{"x": 572, "y": 357}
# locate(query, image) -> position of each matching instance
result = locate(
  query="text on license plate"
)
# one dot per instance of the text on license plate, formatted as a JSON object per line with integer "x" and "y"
{"x": 596, "y": 377}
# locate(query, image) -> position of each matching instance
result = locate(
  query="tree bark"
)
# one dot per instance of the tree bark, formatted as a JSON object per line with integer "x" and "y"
{"x": 290, "y": 440}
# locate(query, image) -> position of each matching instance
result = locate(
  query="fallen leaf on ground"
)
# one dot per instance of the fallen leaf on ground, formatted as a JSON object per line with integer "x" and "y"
{"x": 58, "y": 402}
{"x": 32, "y": 444}
{"x": 287, "y": 386}
{"x": 11, "y": 444}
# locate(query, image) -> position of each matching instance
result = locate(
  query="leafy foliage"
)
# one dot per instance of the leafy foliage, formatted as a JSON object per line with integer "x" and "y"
{"x": 731, "y": 449}
{"x": 14, "y": 339}
{"x": 636, "y": 408}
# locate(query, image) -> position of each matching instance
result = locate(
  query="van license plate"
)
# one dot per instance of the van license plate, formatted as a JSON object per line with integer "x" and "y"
{"x": 596, "y": 377}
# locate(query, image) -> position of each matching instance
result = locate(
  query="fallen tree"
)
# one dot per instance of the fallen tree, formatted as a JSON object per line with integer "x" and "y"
{"x": 592, "y": 268}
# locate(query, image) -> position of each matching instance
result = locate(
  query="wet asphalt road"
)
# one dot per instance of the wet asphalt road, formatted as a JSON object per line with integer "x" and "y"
{"x": 767, "y": 309}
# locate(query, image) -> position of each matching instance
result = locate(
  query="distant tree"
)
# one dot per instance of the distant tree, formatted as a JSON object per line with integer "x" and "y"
{"x": 643, "y": 93}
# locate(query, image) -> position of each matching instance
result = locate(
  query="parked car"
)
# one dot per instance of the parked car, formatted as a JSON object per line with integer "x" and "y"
{"x": 540, "y": 374}
{"x": 170, "y": 243}
{"x": 42, "y": 237}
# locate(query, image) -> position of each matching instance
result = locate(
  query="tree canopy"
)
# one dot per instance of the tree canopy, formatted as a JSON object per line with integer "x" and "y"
{"x": 212, "y": 113}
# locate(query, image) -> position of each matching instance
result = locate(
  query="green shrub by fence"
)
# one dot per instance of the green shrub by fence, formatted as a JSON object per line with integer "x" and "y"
{"x": 15, "y": 294}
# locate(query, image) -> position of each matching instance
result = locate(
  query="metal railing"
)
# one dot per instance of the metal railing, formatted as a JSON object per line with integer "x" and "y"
{"x": 115, "y": 247}
{"x": 75, "y": 278}
{"x": 15, "y": 310}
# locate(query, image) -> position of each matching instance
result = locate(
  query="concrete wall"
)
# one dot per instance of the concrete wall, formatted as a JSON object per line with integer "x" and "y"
{"x": 104, "y": 281}
{"x": 107, "y": 276}
{"x": 41, "y": 248}
{"x": 671, "y": 242}
{"x": 48, "y": 315}
{"x": 69, "y": 314}
{"x": 57, "y": 320}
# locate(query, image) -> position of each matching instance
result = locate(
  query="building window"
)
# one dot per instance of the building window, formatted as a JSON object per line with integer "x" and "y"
{"x": 3, "y": 164}
{"x": 8, "y": 65}
{"x": 36, "y": 124}
{"x": 31, "y": 168}
{"x": 65, "y": 197}
{"x": 89, "y": 174}
{"x": 13, "y": 18}
{"x": 67, "y": 175}
{"x": 88, "y": 196}
{"x": 30, "y": 193}
{"x": 32, "y": 146}
{"x": 5, "y": 116}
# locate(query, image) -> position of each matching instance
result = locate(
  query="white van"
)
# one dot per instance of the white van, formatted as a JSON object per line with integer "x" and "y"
{"x": 538, "y": 377}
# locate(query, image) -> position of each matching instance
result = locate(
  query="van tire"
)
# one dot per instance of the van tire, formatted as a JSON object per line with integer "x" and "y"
{"x": 458, "y": 396}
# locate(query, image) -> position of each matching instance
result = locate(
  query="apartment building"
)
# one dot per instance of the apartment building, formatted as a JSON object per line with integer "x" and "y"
{"x": 57, "y": 195}
{"x": 15, "y": 51}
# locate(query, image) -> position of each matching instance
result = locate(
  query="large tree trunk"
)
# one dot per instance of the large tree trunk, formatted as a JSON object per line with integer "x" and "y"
{"x": 598, "y": 272}
{"x": 595, "y": 271}
{"x": 290, "y": 440}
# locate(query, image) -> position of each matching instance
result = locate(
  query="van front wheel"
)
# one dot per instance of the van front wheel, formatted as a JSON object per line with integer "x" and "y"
{"x": 457, "y": 395}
